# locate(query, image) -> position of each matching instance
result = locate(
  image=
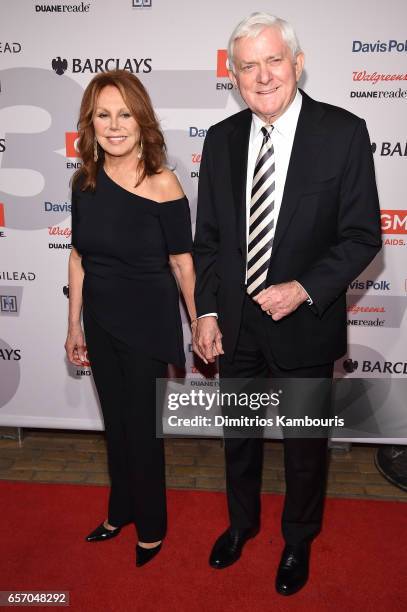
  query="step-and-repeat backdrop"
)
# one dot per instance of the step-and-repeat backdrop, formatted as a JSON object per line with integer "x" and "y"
{"x": 356, "y": 57}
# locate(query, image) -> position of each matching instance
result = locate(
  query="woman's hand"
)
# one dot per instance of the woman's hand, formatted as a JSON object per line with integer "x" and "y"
{"x": 75, "y": 345}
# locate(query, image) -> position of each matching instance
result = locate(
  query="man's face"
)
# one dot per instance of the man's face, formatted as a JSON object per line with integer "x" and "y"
{"x": 266, "y": 73}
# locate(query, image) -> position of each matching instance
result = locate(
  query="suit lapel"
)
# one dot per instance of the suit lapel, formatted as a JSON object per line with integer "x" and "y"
{"x": 306, "y": 145}
{"x": 238, "y": 150}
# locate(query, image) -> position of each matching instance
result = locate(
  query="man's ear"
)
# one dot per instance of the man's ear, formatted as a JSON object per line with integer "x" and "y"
{"x": 299, "y": 65}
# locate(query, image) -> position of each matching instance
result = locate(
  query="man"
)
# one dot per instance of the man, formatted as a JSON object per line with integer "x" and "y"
{"x": 288, "y": 215}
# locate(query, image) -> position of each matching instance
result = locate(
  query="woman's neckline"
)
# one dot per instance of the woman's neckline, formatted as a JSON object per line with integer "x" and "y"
{"x": 136, "y": 194}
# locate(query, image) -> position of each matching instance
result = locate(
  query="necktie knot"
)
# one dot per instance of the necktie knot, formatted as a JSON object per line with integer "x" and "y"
{"x": 266, "y": 131}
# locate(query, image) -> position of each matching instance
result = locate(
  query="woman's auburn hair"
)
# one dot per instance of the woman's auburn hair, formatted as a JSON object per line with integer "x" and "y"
{"x": 139, "y": 104}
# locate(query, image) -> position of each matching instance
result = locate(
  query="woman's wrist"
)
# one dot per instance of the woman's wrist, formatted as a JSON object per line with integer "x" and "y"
{"x": 74, "y": 324}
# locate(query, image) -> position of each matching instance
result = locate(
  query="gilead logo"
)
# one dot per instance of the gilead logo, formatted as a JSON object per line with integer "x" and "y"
{"x": 394, "y": 221}
{"x": 71, "y": 144}
{"x": 2, "y": 220}
{"x": 221, "y": 69}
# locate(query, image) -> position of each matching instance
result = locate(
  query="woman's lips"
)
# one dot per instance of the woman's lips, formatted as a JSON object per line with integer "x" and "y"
{"x": 116, "y": 139}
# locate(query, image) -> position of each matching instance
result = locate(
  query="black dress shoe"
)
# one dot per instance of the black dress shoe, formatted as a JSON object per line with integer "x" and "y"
{"x": 292, "y": 572}
{"x": 101, "y": 533}
{"x": 144, "y": 555}
{"x": 228, "y": 547}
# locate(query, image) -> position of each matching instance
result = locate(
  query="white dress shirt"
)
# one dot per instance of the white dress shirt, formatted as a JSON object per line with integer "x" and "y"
{"x": 282, "y": 138}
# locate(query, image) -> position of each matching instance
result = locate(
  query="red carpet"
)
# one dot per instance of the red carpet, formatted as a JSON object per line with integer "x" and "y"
{"x": 358, "y": 563}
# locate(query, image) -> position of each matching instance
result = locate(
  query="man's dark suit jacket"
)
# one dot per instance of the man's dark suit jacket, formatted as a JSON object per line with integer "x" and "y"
{"x": 328, "y": 229}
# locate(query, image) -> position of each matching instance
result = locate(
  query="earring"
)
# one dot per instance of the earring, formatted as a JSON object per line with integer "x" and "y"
{"x": 95, "y": 150}
{"x": 140, "y": 152}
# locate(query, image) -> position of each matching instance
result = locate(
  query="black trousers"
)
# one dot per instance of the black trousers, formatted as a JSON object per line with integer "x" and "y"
{"x": 125, "y": 382}
{"x": 305, "y": 459}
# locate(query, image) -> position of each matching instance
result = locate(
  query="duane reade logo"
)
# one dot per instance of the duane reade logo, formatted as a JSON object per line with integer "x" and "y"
{"x": 379, "y": 46}
{"x": 390, "y": 149}
{"x": 77, "y": 7}
{"x": 10, "y": 47}
{"x": 80, "y": 65}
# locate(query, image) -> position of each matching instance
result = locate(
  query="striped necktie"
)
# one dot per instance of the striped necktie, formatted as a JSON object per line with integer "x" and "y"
{"x": 261, "y": 218}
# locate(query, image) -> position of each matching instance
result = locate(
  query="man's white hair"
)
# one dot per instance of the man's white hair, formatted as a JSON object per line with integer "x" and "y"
{"x": 256, "y": 23}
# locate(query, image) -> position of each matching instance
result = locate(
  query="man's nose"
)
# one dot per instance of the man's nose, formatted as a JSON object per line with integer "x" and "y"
{"x": 264, "y": 74}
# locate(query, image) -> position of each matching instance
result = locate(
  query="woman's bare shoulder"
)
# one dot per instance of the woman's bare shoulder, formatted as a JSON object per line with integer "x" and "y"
{"x": 166, "y": 186}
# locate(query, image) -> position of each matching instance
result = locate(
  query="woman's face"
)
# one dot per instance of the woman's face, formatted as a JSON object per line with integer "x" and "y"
{"x": 116, "y": 129}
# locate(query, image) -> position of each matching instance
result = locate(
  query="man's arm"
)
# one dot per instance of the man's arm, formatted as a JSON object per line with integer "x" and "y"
{"x": 206, "y": 239}
{"x": 358, "y": 240}
{"x": 207, "y": 336}
{"x": 359, "y": 231}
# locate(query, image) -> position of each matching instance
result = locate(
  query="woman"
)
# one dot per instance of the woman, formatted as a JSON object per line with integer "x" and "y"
{"x": 131, "y": 231}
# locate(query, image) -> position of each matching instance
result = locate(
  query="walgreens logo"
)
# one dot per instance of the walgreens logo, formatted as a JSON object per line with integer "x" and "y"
{"x": 376, "y": 77}
{"x": 394, "y": 221}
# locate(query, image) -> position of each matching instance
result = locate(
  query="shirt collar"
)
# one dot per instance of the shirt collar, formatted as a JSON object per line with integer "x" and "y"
{"x": 284, "y": 125}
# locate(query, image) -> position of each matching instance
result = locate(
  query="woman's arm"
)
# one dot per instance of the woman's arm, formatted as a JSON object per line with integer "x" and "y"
{"x": 183, "y": 269}
{"x": 182, "y": 266}
{"x": 75, "y": 342}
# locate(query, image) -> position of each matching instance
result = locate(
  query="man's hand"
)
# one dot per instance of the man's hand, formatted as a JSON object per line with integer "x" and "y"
{"x": 282, "y": 299}
{"x": 207, "y": 339}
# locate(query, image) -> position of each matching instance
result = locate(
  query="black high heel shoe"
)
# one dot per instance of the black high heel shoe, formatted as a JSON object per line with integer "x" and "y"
{"x": 101, "y": 533}
{"x": 144, "y": 555}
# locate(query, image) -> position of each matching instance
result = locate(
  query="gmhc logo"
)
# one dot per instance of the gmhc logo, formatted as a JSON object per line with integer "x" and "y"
{"x": 394, "y": 221}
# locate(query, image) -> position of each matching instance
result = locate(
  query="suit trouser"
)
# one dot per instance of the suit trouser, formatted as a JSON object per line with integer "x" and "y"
{"x": 305, "y": 459}
{"x": 125, "y": 382}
